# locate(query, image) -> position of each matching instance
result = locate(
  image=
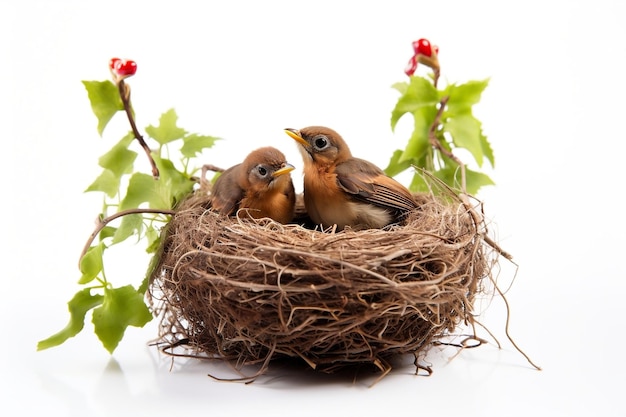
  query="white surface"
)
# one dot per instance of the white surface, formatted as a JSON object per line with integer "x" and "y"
{"x": 244, "y": 71}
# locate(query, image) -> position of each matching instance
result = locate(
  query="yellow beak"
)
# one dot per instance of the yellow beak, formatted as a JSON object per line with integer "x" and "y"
{"x": 295, "y": 134}
{"x": 284, "y": 170}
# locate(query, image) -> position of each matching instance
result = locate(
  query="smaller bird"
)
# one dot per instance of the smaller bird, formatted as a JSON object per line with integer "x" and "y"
{"x": 342, "y": 190}
{"x": 261, "y": 184}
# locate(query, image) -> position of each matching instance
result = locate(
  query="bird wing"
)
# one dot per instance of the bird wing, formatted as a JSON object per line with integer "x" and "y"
{"x": 366, "y": 182}
{"x": 226, "y": 192}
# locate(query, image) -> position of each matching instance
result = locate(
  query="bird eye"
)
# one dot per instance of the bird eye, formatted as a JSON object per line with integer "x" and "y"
{"x": 320, "y": 142}
{"x": 261, "y": 170}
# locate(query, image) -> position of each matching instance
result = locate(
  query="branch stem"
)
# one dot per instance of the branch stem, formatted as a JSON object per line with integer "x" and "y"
{"x": 437, "y": 145}
{"x": 124, "y": 90}
{"x": 103, "y": 222}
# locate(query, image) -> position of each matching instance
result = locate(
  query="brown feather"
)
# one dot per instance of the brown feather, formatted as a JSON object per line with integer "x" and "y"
{"x": 261, "y": 184}
{"x": 226, "y": 193}
{"x": 343, "y": 190}
{"x": 366, "y": 182}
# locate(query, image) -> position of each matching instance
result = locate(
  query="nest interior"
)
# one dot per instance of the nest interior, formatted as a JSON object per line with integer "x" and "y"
{"x": 250, "y": 291}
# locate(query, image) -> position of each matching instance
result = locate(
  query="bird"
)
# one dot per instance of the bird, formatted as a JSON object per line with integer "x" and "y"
{"x": 261, "y": 185}
{"x": 342, "y": 190}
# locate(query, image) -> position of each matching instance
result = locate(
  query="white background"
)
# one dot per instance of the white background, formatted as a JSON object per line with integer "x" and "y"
{"x": 243, "y": 71}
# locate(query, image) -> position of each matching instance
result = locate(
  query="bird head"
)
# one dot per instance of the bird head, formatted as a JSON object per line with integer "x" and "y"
{"x": 320, "y": 144}
{"x": 265, "y": 169}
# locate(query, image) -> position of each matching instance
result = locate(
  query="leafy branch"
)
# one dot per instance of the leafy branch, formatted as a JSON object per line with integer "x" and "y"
{"x": 142, "y": 203}
{"x": 442, "y": 122}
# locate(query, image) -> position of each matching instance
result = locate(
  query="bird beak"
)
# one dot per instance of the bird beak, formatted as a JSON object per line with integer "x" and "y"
{"x": 295, "y": 134}
{"x": 284, "y": 170}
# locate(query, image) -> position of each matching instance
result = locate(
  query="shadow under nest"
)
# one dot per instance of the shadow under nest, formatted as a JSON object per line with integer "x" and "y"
{"x": 251, "y": 291}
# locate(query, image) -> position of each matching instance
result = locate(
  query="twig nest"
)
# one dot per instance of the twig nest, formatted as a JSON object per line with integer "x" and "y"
{"x": 250, "y": 291}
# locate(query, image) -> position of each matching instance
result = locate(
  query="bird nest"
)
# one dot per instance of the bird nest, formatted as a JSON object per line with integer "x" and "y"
{"x": 251, "y": 291}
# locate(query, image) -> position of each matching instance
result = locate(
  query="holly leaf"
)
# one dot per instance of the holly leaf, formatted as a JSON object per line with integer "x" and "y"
{"x": 121, "y": 307}
{"x": 167, "y": 130}
{"x": 420, "y": 94}
{"x": 91, "y": 263}
{"x": 78, "y": 306}
{"x": 194, "y": 144}
{"x": 105, "y": 101}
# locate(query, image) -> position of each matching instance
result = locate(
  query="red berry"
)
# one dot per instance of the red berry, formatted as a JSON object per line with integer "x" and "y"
{"x": 422, "y": 46}
{"x": 125, "y": 68}
{"x": 411, "y": 66}
{"x": 112, "y": 62}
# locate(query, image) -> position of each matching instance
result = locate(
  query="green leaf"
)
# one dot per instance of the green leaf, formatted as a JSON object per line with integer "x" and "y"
{"x": 418, "y": 184}
{"x": 119, "y": 159}
{"x": 448, "y": 175}
{"x": 424, "y": 162}
{"x": 121, "y": 307}
{"x": 163, "y": 193}
{"x": 463, "y": 96}
{"x": 154, "y": 239}
{"x": 194, "y": 144}
{"x": 91, "y": 263}
{"x": 451, "y": 176}
{"x": 107, "y": 231}
{"x": 419, "y": 144}
{"x": 473, "y": 180}
{"x": 173, "y": 185}
{"x": 143, "y": 287}
{"x": 395, "y": 166}
{"x": 130, "y": 224}
{"x": 476, "y": 180}
{"x": 167, "y": 130}
{"x": 466, "y": 133}
{"x": 401, "y": 87}
{"x": 152, "y": 269}
{"x": 107, "y": 182}
{"x": 419, "y": 94}
{"x": 78, "y": 307}
{"x": 487, "y": 149}
{"x": 105, "y": 101}
{"x": 143, "y": 188}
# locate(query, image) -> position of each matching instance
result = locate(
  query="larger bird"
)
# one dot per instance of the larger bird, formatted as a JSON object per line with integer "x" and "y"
{"x": 261, "y": 184}
{"x": 343, "y": 190}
